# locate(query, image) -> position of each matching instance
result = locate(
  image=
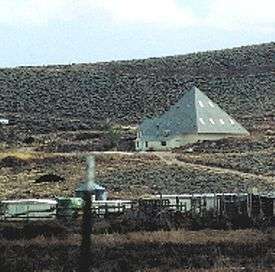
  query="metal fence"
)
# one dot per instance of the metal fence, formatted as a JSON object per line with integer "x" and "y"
{"x": 227, "y": 205}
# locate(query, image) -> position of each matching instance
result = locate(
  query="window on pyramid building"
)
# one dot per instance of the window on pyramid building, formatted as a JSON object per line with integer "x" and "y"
{"x": 231, "y": 121}
{"x": 211, "y": 104}
{"x": 211, "y": 121}
{"x": 202, "y": 121}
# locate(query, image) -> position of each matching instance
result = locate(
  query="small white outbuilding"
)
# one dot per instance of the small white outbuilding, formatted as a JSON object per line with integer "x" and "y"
{"x": 4, "y": 121}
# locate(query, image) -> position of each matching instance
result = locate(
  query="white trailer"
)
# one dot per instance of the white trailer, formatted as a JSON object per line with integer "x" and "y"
{"x": 31, "y": 209}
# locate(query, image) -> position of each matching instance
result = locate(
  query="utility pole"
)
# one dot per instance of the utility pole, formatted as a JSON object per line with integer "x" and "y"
{"x": 85, "y": 250}
{"x": 87, "y": 189}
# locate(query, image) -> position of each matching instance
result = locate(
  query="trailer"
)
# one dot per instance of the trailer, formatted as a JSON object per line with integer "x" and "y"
{"x": 28, "y": 209}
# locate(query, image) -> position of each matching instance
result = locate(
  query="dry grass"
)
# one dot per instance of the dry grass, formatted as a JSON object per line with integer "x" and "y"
{"x": 221, "y": 269}
{"x": 124, "y": 176}
{"x": 19, "y": 155}
{"x": 179, "y": 251}
{"x": 25, "y": 155}
{"x": 176, "y": 237}
{"x": 257, "y": 162}
{"x": 185, "y": 237}
{"x": 20, "y": 182}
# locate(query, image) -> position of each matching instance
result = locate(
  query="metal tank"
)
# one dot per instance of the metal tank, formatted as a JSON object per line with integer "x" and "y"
{"x": 98, "y": 192}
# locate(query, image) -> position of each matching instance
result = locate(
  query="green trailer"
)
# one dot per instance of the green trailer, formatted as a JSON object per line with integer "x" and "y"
{"x": 68, "y": 207}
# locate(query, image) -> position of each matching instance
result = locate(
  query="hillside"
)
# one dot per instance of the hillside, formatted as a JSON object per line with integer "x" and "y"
{"x": 43, "y": 99}
{"x": 133, "y": 175}
{"x": 54, "y": 100}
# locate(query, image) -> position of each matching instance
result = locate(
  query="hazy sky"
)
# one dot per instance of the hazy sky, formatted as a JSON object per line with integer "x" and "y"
{"x": 37, "y": 32}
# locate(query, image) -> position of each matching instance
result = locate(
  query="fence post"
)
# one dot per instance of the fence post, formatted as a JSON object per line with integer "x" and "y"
{"x": 177, "y": 203}
{"x": 85, "y": 253}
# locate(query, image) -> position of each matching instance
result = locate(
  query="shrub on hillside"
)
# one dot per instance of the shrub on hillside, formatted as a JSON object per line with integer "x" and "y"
{"x": 12, "y": 162}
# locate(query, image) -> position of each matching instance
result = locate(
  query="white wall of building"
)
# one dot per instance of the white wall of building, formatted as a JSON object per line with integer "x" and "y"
{"x": 4, "y": 121}
{"x": 178, "y": 141}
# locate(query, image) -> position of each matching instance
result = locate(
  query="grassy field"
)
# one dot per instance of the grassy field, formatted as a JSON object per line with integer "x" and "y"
{"x": 128, "y": 176}
{"x": 241, "y": 250}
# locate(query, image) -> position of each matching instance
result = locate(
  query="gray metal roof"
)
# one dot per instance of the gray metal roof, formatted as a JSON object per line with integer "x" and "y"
{"x": 193, "y": 113}
{"x": 89, "y": 186}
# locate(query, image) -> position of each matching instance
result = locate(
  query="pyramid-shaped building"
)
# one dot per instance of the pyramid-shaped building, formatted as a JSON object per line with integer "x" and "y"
{"x": 193, "y": 118}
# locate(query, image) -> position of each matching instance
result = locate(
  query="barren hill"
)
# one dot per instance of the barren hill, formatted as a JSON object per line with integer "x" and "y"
{"x": 79, "y": 96}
